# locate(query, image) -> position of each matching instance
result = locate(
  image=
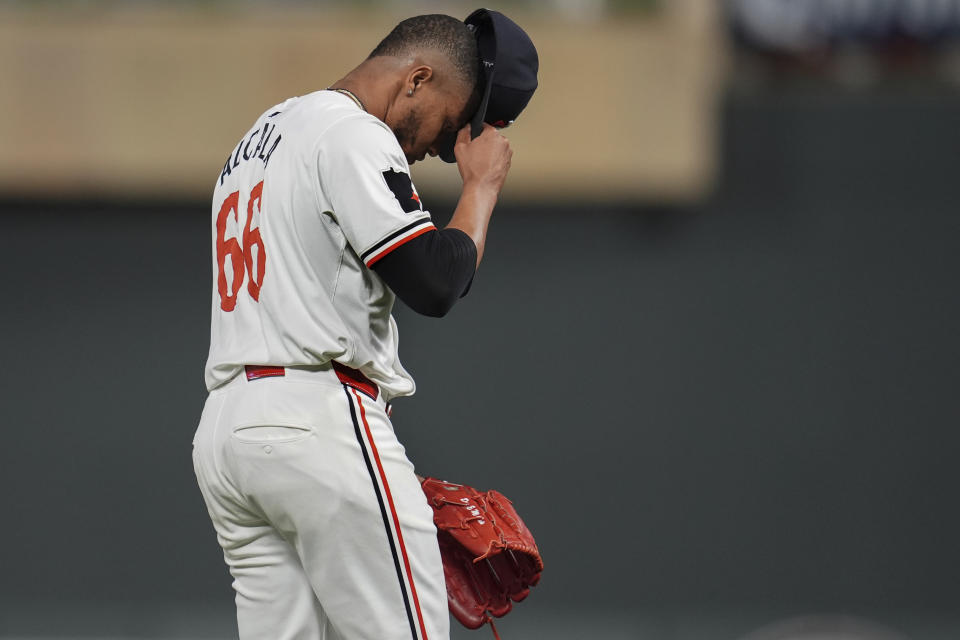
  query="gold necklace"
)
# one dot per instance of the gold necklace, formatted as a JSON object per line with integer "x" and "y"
{"x": 350, "y": 95}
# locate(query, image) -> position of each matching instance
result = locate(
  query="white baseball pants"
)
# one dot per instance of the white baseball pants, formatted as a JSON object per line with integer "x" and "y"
{"x": 322, "y": 521}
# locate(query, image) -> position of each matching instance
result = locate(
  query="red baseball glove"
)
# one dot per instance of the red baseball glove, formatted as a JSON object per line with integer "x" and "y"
{"x": 489, "y": 556}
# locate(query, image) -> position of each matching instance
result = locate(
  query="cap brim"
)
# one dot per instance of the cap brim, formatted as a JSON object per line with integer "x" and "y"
{"x": 487, "y": 49}
{"x": 476, "y": 123}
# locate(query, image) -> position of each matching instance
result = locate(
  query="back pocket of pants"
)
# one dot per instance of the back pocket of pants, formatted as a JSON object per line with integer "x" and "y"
{"x": 261, "y": 434}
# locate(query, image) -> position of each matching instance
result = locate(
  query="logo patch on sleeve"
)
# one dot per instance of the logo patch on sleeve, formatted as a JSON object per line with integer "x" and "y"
{"x": 402, "y": 189}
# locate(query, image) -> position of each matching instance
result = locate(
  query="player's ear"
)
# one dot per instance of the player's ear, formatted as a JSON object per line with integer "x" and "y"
{"x": 417, "y": 77}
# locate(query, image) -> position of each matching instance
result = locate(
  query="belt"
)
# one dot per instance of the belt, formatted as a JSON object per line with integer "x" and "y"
{"x": 347, "y": 375}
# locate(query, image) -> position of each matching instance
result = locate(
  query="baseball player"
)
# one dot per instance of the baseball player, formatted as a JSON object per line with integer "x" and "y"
{"x": 316, "y": 228}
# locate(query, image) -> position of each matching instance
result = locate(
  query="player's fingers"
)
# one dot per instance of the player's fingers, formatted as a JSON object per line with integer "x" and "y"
{"x": 463, "y": 136}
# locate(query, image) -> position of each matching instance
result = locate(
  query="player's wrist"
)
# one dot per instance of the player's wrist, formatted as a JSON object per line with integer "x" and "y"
{"x": 481, "y": 192}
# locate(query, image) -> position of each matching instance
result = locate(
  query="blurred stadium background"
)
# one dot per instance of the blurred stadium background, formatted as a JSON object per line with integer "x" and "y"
{"x": 712, "y": 353}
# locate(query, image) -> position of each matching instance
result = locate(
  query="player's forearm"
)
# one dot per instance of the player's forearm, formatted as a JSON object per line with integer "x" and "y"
{"x": 472, "y": 215}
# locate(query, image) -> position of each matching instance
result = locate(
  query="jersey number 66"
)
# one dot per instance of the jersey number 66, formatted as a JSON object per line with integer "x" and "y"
{"x": 241, "y": 260}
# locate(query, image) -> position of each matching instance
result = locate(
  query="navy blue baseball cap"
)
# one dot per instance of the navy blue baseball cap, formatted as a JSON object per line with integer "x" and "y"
{"x": 508, "y": 73}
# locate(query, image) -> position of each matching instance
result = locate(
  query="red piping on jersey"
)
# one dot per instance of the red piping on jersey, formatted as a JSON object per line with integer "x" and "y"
{"x": 393, "y": 513}
{"x": 398, "y": 243}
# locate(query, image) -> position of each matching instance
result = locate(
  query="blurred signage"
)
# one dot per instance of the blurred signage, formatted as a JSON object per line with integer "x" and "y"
{"x": 797, "y": 26}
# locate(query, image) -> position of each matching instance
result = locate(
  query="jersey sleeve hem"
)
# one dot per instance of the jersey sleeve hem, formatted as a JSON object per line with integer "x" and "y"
{"x": 396, "y": 239}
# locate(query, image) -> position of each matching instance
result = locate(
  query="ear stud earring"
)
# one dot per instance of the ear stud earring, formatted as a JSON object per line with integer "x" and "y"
{"x": 409, "y": 92}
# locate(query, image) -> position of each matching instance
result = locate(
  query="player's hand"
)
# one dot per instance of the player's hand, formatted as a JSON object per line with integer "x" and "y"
{"x": 485, "y": 160}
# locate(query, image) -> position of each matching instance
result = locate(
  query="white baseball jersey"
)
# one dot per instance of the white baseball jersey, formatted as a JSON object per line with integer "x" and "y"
{"x": 315, "y": 194}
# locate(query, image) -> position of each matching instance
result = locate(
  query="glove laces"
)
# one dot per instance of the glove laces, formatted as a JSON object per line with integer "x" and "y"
{"x": 493, "y": 627}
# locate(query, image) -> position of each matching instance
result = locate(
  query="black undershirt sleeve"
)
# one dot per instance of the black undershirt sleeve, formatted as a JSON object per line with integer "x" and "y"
{"x": 432, "y": 271}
